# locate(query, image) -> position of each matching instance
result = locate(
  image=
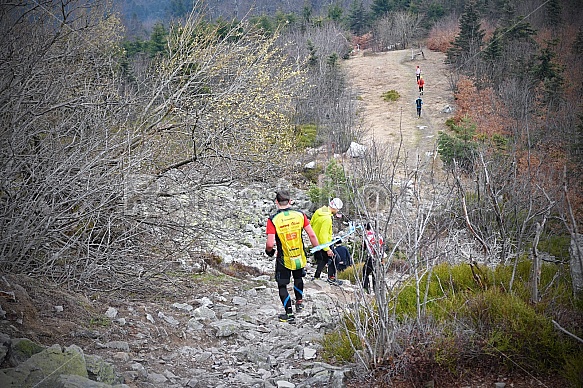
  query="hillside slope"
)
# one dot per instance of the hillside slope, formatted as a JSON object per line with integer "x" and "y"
{"x": 372, "y": 74}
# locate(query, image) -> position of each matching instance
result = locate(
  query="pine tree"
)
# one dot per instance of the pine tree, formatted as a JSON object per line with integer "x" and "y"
{"x": 380, "y": 8}
{"x": 577, "y": 144}
{"x": 335, "y": 12}
{"x": 578, "y": 44}
{"x": 553, "y": 13}
{"x": 312, "y": 57}
{"x": 357, "y": 18}
{"x": 470, "y": 39}
{"x": 549, "y": 73}
{"x": 158, "y": 40}
{"x": 493, "y": 52}
{"x": 307, "y": 12}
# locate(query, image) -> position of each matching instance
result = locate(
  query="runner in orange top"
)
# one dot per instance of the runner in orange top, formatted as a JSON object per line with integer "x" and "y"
{"x": 421, "y": 83}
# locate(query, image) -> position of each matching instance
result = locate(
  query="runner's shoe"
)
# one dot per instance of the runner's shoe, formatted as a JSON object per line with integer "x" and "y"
{"x": 299, "y": 305}
{"x": 334, "y": 281}
{"x": 289, "y": 318}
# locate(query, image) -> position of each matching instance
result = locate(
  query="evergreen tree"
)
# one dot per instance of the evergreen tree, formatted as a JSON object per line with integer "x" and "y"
{"x": 158, "y": 40}
{"x": 553, "y": 13}
{"x": 577, "y": 145}
{"x": 335, "y": 12}
{"x": 578, "y": 44}
{"x": 434, "y": 12}
{"x": 495, "y": 49}
{"x": 470, "y": 39}
{"x": 312, "y": 57}
{"x": 380, "y": 8}
{"x": 307, "y": 12}
{"x": 179, "y": 8}
{"x": 357, "y": 18}
{"x": 549, "y": 72}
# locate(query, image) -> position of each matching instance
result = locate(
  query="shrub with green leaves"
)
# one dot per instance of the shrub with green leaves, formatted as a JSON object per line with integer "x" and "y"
{"x": 333, "y": 185}
{"x": 306, "y": 135}
{"x": 505, "y": 325}
{"x": 339, "y": 346}
{"x": 352, "y": 273}
{"x": 391, "y": 95}
{"x": 460, "y": 146}
{"x": 312, "y": 174}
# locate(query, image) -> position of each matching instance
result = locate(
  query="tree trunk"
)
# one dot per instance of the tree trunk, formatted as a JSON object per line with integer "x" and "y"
{"x": 576, "y": 252}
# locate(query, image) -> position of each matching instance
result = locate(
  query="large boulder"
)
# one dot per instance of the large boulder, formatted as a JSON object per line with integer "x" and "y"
{"x": 356, "y": 150}
{"x": 37, "y": 366}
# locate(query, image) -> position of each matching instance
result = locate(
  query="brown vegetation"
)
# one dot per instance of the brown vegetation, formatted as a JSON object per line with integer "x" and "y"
{"x": 442, "y": 34}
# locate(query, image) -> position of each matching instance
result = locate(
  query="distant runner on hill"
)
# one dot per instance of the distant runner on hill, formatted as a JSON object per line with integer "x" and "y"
{"x": 421, "y": 83}
{"x": 418, "y": 103}
{"x": 418, "y": 73}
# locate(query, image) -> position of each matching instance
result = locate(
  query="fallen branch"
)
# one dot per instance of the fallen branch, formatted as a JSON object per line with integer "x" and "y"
{"x": 566, "y": 332}
{"x": 8, "y": 295}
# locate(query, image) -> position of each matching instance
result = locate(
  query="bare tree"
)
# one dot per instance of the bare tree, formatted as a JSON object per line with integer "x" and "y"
{"x": 100, "y": 174}
{"x": 396, "y": 30}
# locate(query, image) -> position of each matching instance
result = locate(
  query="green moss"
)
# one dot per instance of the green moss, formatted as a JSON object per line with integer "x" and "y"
{"x": 99, "y": 322}
{"x": 25, "y": 348}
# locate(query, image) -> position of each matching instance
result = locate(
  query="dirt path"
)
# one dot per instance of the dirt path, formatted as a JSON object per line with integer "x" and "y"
{"x": 373, "y": 74}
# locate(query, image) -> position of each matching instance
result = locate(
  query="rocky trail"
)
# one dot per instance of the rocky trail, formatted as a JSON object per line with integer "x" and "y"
{"x": 200, "y": 328}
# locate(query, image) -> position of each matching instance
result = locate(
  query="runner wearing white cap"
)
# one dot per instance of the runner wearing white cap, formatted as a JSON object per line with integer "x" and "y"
{"x": 322, "y": 224}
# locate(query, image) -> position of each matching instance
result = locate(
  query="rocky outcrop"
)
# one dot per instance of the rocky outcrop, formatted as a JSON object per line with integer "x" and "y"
{"x": 32, "y": 365}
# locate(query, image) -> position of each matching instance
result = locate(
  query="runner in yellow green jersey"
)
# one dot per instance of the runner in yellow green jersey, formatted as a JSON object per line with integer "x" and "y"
{"x": 284, "y": 232}
{"x": 322, "y": 224}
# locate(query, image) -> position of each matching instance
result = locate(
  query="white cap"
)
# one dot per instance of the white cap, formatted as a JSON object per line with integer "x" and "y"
{"x": 336, "y": 203}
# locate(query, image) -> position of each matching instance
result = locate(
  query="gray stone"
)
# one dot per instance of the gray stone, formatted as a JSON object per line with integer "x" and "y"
{"x": 204, "y": 312}
{"x": 194, "y": 325}
{"x": 309, "y": 353}
{"x": 225, "y": 327}
{"x": 74, "y": 381}
{"x": 204, "y": 356}
{"x": 22, "y": 349}
{"x": 39, "y": 369}
{"x": 204, "y": 302}
{"x": 119, "y": 345}
{"x": 168, "y": 319}
{"x": 183, "y": 307}
{"x": 139, "y": 368}
{"x": 99, "y": 370}
{"x": 111, "y": 312}
{"x": 238, "y": 301}
{"x": 157, "y": 378}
